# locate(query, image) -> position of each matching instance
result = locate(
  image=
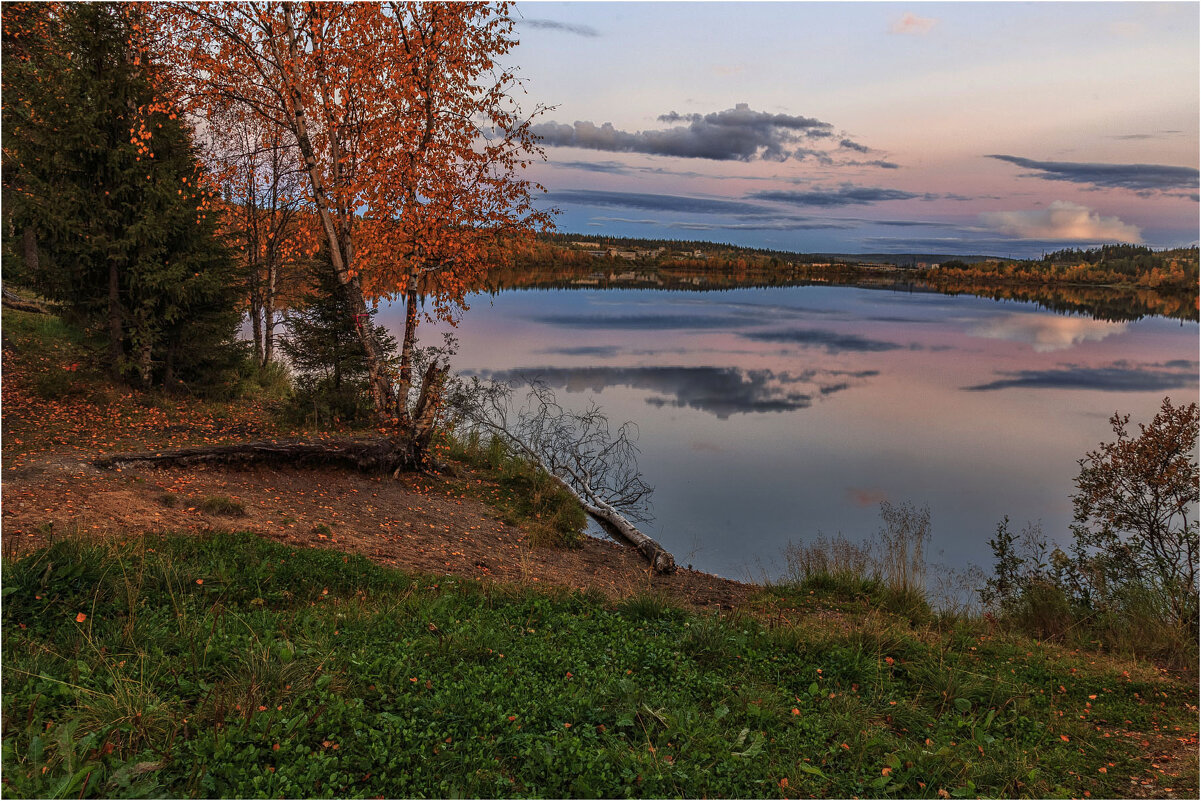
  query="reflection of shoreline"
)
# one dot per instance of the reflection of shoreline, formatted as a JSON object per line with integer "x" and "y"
{"x": 1100, "y": 302}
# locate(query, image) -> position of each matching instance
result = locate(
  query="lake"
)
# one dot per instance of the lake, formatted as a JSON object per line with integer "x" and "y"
{"x": 772, "y": 415}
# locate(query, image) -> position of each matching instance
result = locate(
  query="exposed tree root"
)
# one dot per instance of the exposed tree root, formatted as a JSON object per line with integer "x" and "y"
{"x": 367, "y": 456}
{"x": 11, "y": 300}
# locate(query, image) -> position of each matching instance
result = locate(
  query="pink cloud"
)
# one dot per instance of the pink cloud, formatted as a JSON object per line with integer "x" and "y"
{"x": 1062, "y": 220}
{"x": 913, "y": 24}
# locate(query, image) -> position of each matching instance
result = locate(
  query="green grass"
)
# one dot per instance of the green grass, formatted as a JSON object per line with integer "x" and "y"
{"x": 232, "y": 666}
{"x": 524, "y": 494}
{"x": 223, "y": 505}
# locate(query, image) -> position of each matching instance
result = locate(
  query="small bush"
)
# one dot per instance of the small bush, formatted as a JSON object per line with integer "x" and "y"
{"x": 168, "y": 500}
{"x": 1042, "y": 610}
{"x": 54, "y": 385}
{"x": 222, "y": 505}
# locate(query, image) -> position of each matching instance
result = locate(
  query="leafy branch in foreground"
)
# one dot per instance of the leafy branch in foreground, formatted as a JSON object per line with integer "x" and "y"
{"x": 578, "y": 449}
{"x": 1135, "y": 513}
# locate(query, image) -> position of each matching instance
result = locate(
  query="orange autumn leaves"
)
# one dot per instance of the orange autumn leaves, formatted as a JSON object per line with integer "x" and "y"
{"x": 404, "y": 128}
{"x": 415, "y": 144}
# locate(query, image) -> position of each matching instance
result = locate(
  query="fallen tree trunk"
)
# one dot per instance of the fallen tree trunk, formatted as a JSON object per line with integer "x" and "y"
{"x": 368, "y": 456}
{"x": 612, "y": 521}
{"x": 596, "y": 466}
{"x": 621, "y": 529}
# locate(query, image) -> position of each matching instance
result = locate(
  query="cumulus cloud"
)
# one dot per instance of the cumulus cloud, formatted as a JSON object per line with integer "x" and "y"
{"x": 851, "y": 145}
{"x": 1063, "y": 221}
{"x": 1142, "y": 178}
{"x": 912, "y": 24}
{"x": 737, "y": 134}
{"x": 845, "y": 195}
{"x": 552, "y": 25}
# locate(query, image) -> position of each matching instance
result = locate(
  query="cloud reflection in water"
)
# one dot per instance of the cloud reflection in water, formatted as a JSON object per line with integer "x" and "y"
{"x": 1116, "y": 377}
{"x": 720, "y": 391}
{"x": 1044, "y": 332}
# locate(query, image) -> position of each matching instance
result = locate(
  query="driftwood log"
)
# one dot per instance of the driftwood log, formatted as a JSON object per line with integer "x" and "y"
{"x": 577, "y": 449}
{"x": 622, "y": 530}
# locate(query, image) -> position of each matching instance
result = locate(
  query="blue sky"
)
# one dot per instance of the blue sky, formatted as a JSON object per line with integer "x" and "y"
{"x": 999, "y": 128}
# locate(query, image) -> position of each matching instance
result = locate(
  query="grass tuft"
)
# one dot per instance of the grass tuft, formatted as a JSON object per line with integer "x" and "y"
{"x": 222, "y": 505}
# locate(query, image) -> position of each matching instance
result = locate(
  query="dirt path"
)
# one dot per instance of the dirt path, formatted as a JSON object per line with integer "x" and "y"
{"x": 435, "y": 525}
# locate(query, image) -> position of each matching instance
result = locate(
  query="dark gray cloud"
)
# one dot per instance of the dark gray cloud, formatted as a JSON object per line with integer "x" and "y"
{"x": 720, "y": 391}
{"x": 831, "y": 341}
{"x": 1165, "y": 134}
{"x": 599, "y": 351}
{"x": 644, "y": 322}
{"x": 781, "y": 224}
{"x": 848, "y": 144}
{"x": 552, "y": 25}
{"x": 845, "y": 195}
{"x": 1143, "y": 178}
{"x": 1116, "y": 377}
{"x": 737, "y": 134}
{"x": 884, "y": 165}
{"x": 651, "y": 202}
{"x": 611, "y": 167}
{"x": 766, "y": 225}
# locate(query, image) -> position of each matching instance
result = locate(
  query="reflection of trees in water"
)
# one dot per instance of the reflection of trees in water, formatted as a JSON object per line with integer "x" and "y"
{"x": 1100, "y": 302}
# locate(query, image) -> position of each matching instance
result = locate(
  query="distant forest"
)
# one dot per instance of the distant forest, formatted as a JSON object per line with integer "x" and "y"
{"x": 1173, "y": 270}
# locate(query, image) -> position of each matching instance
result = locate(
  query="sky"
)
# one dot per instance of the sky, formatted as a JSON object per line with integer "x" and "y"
{"x": 1003, "y": 129}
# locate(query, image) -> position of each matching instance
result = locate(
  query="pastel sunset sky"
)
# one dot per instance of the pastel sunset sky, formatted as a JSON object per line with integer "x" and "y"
{"x": 994, "y": 128}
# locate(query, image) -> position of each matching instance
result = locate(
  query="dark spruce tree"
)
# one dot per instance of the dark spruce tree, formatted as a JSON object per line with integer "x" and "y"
{"x": 325, "y": 351}
{"x": 103, "y": 201}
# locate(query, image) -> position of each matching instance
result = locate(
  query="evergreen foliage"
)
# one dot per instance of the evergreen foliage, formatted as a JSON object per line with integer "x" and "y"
{"x": 325, "y": 352}
{"x": 103, "y": 199}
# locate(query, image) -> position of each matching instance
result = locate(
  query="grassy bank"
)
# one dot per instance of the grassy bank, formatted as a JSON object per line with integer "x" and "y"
{"x": 230, "y": 666}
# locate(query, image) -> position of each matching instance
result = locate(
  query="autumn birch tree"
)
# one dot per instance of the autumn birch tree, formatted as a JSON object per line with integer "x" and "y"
{"x": 408, "y": 133}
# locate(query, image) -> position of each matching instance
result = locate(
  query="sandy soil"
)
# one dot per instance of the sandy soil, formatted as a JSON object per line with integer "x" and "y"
{"x": 429, "y": 524}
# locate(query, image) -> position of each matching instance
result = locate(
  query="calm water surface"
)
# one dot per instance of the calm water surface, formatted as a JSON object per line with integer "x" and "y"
{"x": 773, "y": 415}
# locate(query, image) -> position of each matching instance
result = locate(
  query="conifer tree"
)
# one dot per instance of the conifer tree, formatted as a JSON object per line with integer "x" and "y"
{"x": 101, "y": 175}
{"x": 323, "y": 347}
